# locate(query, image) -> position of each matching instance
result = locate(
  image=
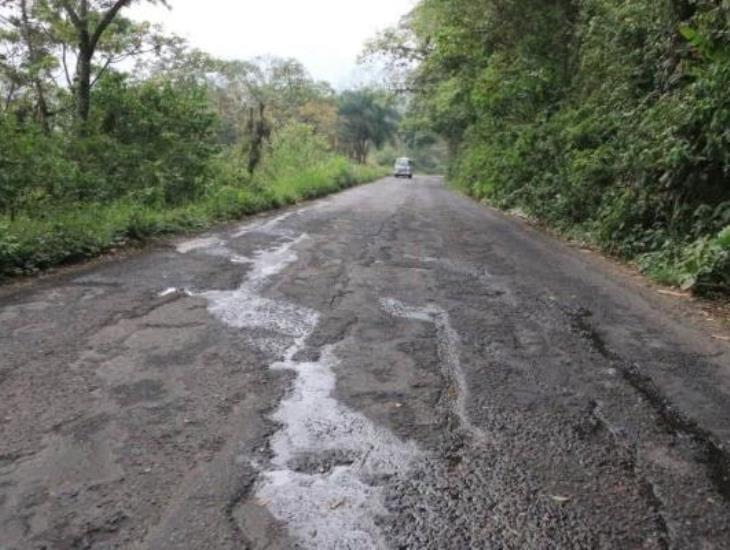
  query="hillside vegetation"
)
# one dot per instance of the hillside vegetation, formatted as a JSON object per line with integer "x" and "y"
{"x": 111, "y": 132}
{"x": 606, "y": 119}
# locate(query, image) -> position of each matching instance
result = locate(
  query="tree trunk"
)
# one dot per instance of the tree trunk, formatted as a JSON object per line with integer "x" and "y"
{"x": 88, "y": 39}
{"x": 34, "y": 57}
{"x": 259, "y": 132}
{"x": 41, "y": 107}
{"x": 9, "y": 96}
{"x": 361, "y": 152}
{"x": 82, "y": 84}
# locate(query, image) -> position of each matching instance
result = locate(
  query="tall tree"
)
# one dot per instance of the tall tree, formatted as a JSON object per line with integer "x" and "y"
{"x": 90, "y": 20}
{"x": 40, "y": 40}
{"x": 367, "y": 119}
{"x": 258, "y": 97}
{"x": 26, "y": 60}
{"x": 37, "y": 54}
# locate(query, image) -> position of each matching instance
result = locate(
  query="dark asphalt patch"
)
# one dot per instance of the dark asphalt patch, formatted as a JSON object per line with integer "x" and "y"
{"x": 710, "y": 453}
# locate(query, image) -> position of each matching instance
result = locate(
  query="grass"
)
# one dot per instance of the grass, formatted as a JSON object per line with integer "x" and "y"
{"x": 73, "y": 233}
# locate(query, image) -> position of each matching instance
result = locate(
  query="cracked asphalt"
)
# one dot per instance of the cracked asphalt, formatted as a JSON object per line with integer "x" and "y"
{"x": 394, "y": 366}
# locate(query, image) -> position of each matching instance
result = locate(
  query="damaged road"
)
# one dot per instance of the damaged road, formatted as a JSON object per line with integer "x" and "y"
{"x": 391, "y": 367}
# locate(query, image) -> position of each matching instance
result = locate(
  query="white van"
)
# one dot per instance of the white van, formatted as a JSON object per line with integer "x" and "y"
{"x": 403, "y": 168}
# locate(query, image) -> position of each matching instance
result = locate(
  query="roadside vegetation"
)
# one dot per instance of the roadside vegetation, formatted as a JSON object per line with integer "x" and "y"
{"x": 605, "y": 119}
{"x": 111, "y": 132}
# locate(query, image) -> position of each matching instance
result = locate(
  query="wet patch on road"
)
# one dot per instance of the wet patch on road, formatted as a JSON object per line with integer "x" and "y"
{"x": 209, "y": 243}
{"x": 337, "y": 505}
{"x": 266, "y": 226}
{"x": 329, "y": 465}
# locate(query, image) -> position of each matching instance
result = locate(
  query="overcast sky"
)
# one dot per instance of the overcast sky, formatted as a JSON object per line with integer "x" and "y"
{"x": 325, "y": 35}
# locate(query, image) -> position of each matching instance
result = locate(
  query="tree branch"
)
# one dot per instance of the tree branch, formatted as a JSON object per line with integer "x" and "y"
{"x": 106, "y": 21}
{"x": 107, "y": 63}
{"x": 114, "y": 59}
{"x": 72, "y": 15}
{"x": 69, "y": 81}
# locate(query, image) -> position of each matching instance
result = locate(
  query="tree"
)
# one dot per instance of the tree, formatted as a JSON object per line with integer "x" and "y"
{"x": 26, "y": 61}
{"x": 397, "y": 52}
{"x": 366, "y": 119}
{"x": 255, "y": 98}
{"x": 90, "y": 19}
{"x": 282, "y": 86}
{"x": 41, "y": 39}
{"x": 321, "y": 114}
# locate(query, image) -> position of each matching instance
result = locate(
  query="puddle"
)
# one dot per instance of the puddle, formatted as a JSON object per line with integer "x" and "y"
{"x": 272, "y": 323}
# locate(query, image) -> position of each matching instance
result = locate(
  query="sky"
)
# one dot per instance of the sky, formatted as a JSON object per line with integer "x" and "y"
{"x": 325, "y": 35}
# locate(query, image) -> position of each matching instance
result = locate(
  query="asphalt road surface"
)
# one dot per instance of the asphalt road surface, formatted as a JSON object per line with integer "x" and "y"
{"x": 395, "y": 366}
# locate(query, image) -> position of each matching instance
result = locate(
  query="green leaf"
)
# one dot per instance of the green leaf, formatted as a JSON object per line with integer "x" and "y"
{"x": 688, "y": 33}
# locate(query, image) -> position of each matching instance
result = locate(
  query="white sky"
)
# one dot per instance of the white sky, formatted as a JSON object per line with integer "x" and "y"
{"x": 325, "y": 35}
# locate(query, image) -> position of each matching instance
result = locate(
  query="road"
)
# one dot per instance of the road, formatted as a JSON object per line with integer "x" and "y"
{"x": 395, "y": 366}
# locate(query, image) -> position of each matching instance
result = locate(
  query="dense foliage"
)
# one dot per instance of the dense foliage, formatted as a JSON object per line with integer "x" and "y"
{"x": 93, "y": 156}
{"x": 607, "y": 119}
{"x": 368, "y": 120}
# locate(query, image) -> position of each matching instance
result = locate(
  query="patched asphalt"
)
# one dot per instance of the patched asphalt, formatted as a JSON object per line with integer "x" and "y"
{"x": 394, "y": 366}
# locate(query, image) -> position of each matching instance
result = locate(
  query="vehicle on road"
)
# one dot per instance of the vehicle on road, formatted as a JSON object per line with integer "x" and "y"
{"x": 403, "y": 168}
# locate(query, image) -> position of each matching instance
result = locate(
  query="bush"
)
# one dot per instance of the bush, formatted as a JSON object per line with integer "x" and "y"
{"x": 153, "y": 142}
{"x": 621, "y": 138}
{"x": 147, "y": 164}
{"x": 72, "y": 233}
{"x": 33, "y": 170}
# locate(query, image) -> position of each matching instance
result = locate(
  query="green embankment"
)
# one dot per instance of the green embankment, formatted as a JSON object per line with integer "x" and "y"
{"x": 73, "y": 233}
